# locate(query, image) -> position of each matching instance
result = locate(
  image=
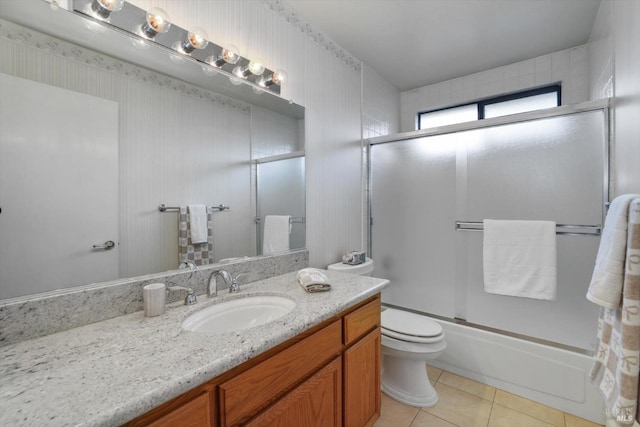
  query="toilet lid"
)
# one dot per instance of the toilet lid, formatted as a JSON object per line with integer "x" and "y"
{"x": 407, "y": 323}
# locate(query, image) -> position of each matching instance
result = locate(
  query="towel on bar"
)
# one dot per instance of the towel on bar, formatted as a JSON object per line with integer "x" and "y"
{"x": 606, "y": 283}
{"x": 199, "y": 253}
{"x": 313, "y": 280}
{"x": 617, "y": 357}
{"x": 198, "y": 223}
{"x": 519, "y": 258}
{"x": 276, "y": 234}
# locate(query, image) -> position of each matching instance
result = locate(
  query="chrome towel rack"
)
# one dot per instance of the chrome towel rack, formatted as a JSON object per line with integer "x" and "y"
{"x": 165, "y": 208}
{"x": 292, "y": 220}
{"x": 577, "y": 229}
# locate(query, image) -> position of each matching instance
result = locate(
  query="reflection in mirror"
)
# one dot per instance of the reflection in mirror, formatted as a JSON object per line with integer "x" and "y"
{"x": 177, "y": 143}
{"x": 272, "y": 177}
{"x": 278, "y": 156}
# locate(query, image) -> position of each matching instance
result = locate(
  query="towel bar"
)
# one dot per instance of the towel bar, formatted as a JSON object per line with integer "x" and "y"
{"x": 292, "y": 220}
{"x": 165, "y": 208}
{"x": 589, "y": 230}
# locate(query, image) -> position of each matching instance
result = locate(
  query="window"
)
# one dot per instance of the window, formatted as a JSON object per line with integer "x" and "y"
{"x": 530, "y": 100}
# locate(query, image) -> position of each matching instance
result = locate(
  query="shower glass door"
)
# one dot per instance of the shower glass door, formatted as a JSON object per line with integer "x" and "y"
{"x": 550, "y": 168}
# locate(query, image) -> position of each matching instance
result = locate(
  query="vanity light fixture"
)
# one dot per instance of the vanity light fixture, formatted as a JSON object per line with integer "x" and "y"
{"x": 228, "y": 55}
{"x": 255, "y": 67}
{"x": 157, "y": 22}
{"x": 151, "y": 27}
{"x": 102, "y": 9}
{"x": 276, "y": 78}
{"x": 196, "y": 39}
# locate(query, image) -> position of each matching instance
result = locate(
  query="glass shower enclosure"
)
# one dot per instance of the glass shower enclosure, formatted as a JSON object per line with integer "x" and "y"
{"x": 429, "y": 192}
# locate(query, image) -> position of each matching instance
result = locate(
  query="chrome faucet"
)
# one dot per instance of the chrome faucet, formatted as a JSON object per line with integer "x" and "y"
{"x": 190, "y": 299}
{"x": 228, "y": 277}
{"x": 188, "y": 264}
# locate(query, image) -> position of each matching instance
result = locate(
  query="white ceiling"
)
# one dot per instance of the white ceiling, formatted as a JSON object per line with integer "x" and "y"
{"x": 413, "y": 43}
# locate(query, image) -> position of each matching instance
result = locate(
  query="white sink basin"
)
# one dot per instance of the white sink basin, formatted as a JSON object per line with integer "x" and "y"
{"x": 237, "y": 314}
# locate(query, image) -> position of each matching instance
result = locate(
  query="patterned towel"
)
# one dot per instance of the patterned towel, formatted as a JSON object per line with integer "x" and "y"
{"x": 605, "y": 288}
{"x": 617, "y": 358}
{"x": 199, "y": 253}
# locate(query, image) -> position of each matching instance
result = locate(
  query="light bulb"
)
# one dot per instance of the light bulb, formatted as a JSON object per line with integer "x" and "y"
{"x": 279, "y": 76}
{"x": 228, "y": 55}
{"x": 157, "y": 23}
{"x": 276, "y": 78}
{"x": 256, "y": 66}
{"x": 196, "y": 39}
{"x": 102, "y": 9}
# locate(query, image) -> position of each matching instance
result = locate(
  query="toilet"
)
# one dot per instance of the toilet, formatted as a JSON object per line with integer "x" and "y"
{"x": 364, "y": 269}
{"x": 409, "y": 340}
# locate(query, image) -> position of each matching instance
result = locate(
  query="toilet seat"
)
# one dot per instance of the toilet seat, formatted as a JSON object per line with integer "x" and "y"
{"x": 412, "y": 349}
{"x": 411, "y": 338}
{"x": 406, "y": 326}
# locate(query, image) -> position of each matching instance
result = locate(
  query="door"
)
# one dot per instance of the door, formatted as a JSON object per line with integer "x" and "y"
{"x": 362, "y": 381}
{"x": 58, "y": 188}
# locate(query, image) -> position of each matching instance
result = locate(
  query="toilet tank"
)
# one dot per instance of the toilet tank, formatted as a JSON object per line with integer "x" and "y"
{"x": 364, "y": 269}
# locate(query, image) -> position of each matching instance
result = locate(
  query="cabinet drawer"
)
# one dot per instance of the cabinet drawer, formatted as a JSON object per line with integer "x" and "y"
{"x": 252, "y": 390}
{"x": 361, "y": 321}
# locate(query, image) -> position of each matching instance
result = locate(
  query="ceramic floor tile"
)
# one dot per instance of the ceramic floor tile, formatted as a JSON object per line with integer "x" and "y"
{"x": 460, "y": 408}
{"x": 573, "y": 421}
{"x": 424, "y": 419}
{"x": 529, "y": 407}
{"x": 501, "y": 416}
{"x": 433, "y": 373}
{"x": 474, "y": 387}
{"x": 395, "y": 414}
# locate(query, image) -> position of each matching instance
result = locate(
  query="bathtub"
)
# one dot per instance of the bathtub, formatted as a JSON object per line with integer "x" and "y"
{"x": 553, "y": 376}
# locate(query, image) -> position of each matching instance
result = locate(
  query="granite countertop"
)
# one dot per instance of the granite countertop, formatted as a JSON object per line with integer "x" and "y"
{"x": 107, "y": 373}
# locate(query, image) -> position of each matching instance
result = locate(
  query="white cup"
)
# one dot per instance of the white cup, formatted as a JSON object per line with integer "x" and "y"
{"x": 154, "y": 296}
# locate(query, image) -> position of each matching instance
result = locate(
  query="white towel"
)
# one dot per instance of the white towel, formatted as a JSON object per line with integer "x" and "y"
{"x": 608, "y": 274}
{"x": 198, "y": 223}
{"x": 276, "y": 234}
{"x": 520, "y": 258}
{"x": 313, "y": 280}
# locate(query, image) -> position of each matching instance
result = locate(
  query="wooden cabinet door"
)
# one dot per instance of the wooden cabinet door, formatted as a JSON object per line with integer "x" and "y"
{"x": 248, "y": 393}
{"x": 362, "y": 381}
{"x": 196, "y": 413}
{"x": 315, "y": 403}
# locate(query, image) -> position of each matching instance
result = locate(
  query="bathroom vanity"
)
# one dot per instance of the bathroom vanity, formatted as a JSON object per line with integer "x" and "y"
{"x": 318, "y": 365}
{"x": 305, "y": 381}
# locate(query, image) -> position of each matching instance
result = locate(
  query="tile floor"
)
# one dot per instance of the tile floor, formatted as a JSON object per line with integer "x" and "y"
{"x": 466, "y": 403}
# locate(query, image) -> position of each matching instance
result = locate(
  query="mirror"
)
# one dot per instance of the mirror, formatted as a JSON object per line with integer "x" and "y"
{"x": 181, "y": 137}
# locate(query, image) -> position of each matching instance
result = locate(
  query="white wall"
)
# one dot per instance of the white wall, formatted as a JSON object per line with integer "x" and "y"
{"x": 568, "y": 66}
{"x": 601, "y": 53}
{"x": 615, "y": 67}
{"x": 626, "y": 30}
{"x": 380, "y": 105}
{"x": 380, "y": 116}
{"x": 274, "y": 133}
